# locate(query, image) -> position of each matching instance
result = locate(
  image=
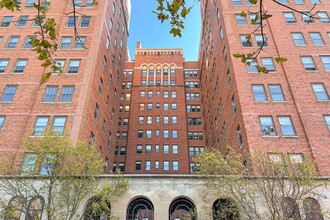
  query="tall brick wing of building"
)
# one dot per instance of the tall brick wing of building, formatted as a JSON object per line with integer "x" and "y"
{"x": 83, "y": 102}
{"x": 285, "y": 112}
{"x": 160, "y": 122}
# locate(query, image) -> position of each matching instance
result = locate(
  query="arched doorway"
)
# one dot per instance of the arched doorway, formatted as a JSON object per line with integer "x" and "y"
{"x": 290, "y": 209}
{"x": 312, "y": 209}
{"x": 140, "y": 209}
{"x": 225, "y": 209}
{"x": 182, "y": 209}
{"x": 97, "y": 209}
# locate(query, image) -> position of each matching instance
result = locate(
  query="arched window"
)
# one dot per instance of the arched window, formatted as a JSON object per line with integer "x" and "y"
{"x": 290, "y": 209}
{"x": 140, "y": 209}
{"x": 172, "y": 71}
{"x": 97, "y": 209}
{"x": 144, "y": 70}
{"x": 165, "y": 71}
{"x": 225, "y": 209}
{"x": 35, "y": 208}
{"x": 158, "y": 69}
{"x": 312, "y": 209}
{"x": 14, "y": 208}
{"x": 151, "y": 71}
{"x": 182, "y": 208}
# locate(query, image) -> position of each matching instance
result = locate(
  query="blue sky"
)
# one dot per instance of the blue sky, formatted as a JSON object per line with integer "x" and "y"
{"x": 145, "y": 27}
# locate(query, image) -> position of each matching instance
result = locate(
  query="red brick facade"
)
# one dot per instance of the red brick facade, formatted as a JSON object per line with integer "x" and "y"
{"x": 156, "y": 112}
{"x": 96, "y": 62}
{"x": 311, "y": 135}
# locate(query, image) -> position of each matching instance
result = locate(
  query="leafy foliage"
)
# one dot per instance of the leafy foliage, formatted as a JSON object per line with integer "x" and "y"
{"x": 66, "y": 175}
{"x": 267, "y": 182}
{"x": 175, "y": 11}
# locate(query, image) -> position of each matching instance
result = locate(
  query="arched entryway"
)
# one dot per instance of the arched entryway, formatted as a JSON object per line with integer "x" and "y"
{"x": 225, "y": 209}
{"x": 97, "y": 209}
{"x": 140, "y": 209}
{"x": 182, "y": 209}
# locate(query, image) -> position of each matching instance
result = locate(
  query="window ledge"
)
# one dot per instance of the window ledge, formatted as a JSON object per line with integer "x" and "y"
{"x": 293, "y": 136}
{"x": 17, "y": 73}
{"x": 311, "y": 71}
{"x": 280, "y": 101}
{"x": 48, "y": 102}
{"x": 261, "y": 101}
{"x": 270, "y": 136}
{"x": 64, "y": 102}
{"x": 3, "y": 102}
{"x": 323, "y": 101}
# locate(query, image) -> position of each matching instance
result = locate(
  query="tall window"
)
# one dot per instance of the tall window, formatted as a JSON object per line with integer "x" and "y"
{"x": 3, "y": 65}
{"x": 323, "y": 16}
{"x": 268, "y": 64}
{"x": 298, "y": 39}
{"x": 326, "y": 62}
{"x": 267, "y": 126}
{"x": 239, "y": 136}
{"x": 20, "y": 65}
{"x": 66, "y": 95}
{"x": 27, "y": 43}
{"x": 252, "y": 66}
{"x": 286, "y": 125}
{"x": 174, "y": 133}
{"x": 13, "y": 40}
{"x": 316, "y": 38}
{"x": 246, "y": 40}
{"x": 175, "y": 149}
{"x": 175, "y": 165}
{"x": 9, "y": 93}
{"x": 80, "y": 42}
{"x": 65, "y": 43}
{"x": 85, "y": 20}
{"x": 326, "y": 118}
{"x": 28, "y": 164}
{"x": 147, "y": 165}
{"x": 71, "y": 21}
{"x": 259, "y": 93}
{"x": 2, "y": 121}
{"x": 261, "y": 40}
{"x": 6, "y": 21}
{"x": 289, "y": 17}
{"x": 59, "y": 124}
{"x": 40, "y": 125}
{"x": 276, "y": 92}
{"x": 74, "y": 66}
{"x": 166, "y": 165}
{"x": 50, "y": 94}
{"x": 240, "y": 20}
{"x": 308, "y": 63}
{"x": 320, "y": 91}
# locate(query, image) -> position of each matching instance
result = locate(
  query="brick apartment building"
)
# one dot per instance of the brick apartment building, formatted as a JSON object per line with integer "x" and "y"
{"x": 285, "y": 112}
{"x": 153, "y": 114}
{"x": 83, "y": 101}
{"x": 164, "y": 107}
{"x": 160, "y": 120}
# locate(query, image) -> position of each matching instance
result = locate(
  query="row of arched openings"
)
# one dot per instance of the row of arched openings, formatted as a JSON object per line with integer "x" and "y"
{"x": 143, "y": 209}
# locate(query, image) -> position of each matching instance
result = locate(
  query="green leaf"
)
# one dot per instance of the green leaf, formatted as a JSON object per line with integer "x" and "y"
{"x": 243, "y": 14}
{"x": 175, "y": 32}
{"x": 280, "y": 59}
{"x": 266, "y": 16}
{"x": 45, "y": 77}
{"x": 262, "y": 69}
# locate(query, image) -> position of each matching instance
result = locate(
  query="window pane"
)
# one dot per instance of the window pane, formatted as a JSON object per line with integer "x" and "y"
{"x": 287, "y": 128}
{"x": 40, "y": 126}
{"x": 267, "y": 126}
{"x": 276, "y": 92}
{"x": 9, "y": 94}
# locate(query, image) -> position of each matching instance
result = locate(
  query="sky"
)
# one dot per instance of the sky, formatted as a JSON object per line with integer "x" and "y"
{"x": 146, "y": 28}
